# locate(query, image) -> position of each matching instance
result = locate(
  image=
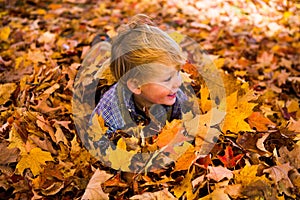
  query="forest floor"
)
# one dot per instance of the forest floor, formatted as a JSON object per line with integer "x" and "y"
{"x": 253, "y": 45}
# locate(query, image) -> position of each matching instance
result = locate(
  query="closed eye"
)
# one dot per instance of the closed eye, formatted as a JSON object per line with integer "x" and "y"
{"x": 168, "y": 79}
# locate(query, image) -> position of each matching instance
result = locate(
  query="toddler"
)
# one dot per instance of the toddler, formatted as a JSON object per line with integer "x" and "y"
{"x": 146, "y": 63}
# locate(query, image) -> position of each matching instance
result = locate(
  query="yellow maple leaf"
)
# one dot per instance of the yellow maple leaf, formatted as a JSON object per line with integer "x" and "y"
{"x": 120, "y": 158}
{"x": 33, "y": 160}
{"x": 237, "y": 110}
{"x": 247, "y": 175}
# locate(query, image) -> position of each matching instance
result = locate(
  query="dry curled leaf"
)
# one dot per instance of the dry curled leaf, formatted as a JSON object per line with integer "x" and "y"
{"x": 8, "y": 155}
{"x": 5, "y": 91}
{"x": 94, "y": 190}
{"x": 45, "y": 47}
{"x": 218, "y": 173}
{"x": 163, "y": 194}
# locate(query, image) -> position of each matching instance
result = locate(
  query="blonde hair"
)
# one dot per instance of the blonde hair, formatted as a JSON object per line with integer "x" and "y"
{"x": 140, "y": 43}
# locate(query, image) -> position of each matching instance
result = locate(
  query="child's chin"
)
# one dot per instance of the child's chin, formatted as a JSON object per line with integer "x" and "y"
{"x": 170, "y": 102}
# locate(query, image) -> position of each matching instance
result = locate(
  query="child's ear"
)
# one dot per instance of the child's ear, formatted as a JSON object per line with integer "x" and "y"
{"x": 133, "y": 86}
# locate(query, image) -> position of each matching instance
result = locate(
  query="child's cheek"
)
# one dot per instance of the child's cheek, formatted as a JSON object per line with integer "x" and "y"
{"x": 163, "y": 92}
{"x": 165, "y": 86}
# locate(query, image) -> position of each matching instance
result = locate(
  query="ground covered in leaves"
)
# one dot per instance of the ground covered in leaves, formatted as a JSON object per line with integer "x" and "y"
{"x": 254, "y": 45}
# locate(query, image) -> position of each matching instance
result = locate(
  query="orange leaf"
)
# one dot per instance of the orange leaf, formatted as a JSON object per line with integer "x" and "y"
{"x": 169, "y": 132}
{"x": 259, "y": 121}
{"x": 185, "y": 160}
{"x": 190, "y": 69}
{"x": 115, "y": 181}
{"x": 102, "y": 123}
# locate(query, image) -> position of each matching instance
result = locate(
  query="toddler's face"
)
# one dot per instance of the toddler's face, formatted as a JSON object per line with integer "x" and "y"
{"x": 160, "y": 85}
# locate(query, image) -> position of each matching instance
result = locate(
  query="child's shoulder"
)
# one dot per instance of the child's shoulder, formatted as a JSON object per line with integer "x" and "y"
{"x": 109, "y": 96}
{"x": 108, "y": 103}
{"x": 108, "y": 107}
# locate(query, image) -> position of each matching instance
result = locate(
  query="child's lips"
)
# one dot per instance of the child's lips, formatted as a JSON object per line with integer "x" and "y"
{"x": 172, "y": 95}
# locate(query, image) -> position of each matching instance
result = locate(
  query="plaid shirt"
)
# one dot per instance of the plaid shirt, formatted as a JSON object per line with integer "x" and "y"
{"x": 119, "y": 111}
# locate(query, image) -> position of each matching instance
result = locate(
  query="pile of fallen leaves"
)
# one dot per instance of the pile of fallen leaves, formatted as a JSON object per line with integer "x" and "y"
{"x": 253, "y": 44}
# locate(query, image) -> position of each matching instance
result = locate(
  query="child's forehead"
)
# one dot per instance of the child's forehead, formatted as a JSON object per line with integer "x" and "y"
{"x": 158, "y": 71}
{"x": 164, "y": 67}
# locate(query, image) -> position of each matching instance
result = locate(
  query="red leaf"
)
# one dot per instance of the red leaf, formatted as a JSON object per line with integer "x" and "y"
{"x": 205, "y": 161}
{"x": 228, "y": 159}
